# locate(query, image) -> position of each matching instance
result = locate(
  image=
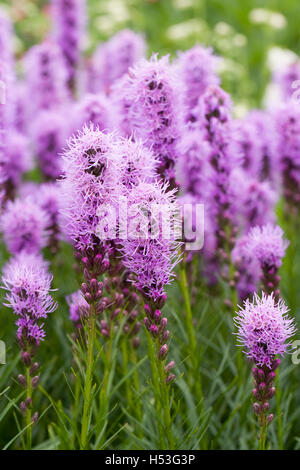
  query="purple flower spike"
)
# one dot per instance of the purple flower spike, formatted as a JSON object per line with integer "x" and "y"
{"x": 263, "y": 329}
{"x": 95, "y": 109}
{"x": 267, "y": 245}
{"x": 92, "y": 168}
{"x": 24, "y": 226}
{"x": 113, "y": 59}
{"x": 198, "y": 71}
{"x": 46, "y": 78}
{"x": 153, "y": 92}
{"x": 48, "y": 134}
{"x": 69, "y": 21}
{"x": 150, "y": 258}
{"x": 27, "y": 282}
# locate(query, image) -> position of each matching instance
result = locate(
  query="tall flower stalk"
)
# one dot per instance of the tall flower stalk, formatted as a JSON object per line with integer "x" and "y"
{"x": 27, "y": 284}
{"x": 264, "y": 327}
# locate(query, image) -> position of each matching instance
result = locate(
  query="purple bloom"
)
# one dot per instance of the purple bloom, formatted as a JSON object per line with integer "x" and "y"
{"x": 214, "y": 112}
{"x": 46, "y": 78}
{"x": 198, "y": 71}
{"x": 24, "y": 225}
{"x": 248, "y": 143}
{"x": 267, "y": 245}
{"x": 48, "y": 133}
{"x": 254, "y": 200}
{"x": 267, "y": 142}
{"x": 27, "y": 282}
{"x": 18, "y": 159}
{"x": 263, "y": 329}
{"x": 48, "y": 197}
{"x": 285, "y": 79}
{"x": 69, "y": 20}
{"x": 114, "y": 58}
{"x": 138, "y": 163}
{"x": 95, "y": 109}
{"x": 194, "y": 171}
{"x": 288, "y": 128}
{"x": 78, "y": 307}
{"x": 92, "y": 168}
{"x": 153, "y": 93}
{"x": 151, "y": 252}
{"x": 248, "y": 269}
{"x": 122, "y": 102}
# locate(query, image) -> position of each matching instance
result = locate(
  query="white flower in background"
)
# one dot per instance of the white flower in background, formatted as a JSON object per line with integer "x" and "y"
{"x": 279, "y": 58}
{"x": 272, "y": 18}
{"x": 223, "y": 29}
{"x": 183, "y": 30}
{"x": 182, "y": 4}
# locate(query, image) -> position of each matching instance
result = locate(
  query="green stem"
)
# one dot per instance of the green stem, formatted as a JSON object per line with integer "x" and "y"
{"x": 166, "y": 402}
{"x": 91, "y": 335}
{"x": 136, "y": 383}
{"x": 157, "y": 391}
{"x": 278, "y": 412}
{"x": 125, "y": 371}
{"x": 193, "y": 352}
{"x": 28, "y": 418}
{"x": 105, "y": 393}
{"x": 263, "y": 435}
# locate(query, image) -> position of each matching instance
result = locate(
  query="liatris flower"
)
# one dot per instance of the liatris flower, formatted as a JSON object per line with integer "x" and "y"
{"x": 24, "y": 225}
{"x": 267, "y": 142}
{"x": 48, "y": 197}
{"x": 267, "y": 245}
{"x": 264, "y": 328}
{"x": 150, "y": 251}
{"x": 46, "y": 78}
{"x": 198, "y": 71}
{"x": 286, "y": 78}
{"x": 48, "y": 133}
{"x": 214, "y": 110}
{"x": 20, "y": 117}
{"x": 17, "y": 161}
{"x": 78, "y": 308}
{"x": 288, "y": 128}
{"x": 137, "y": 164}
{"x": 153, "y": 93}
{"x": 114, "y": 58}
{"x": 27, "y": 284}
{"x": 95, "y": 109}
{"x": 121, "y": 105}
{"x": 255, "y": 200}
{"x": 92, "y": 168}
{"x": 194, "y": 171}
{"x": 247, "y": 140}
{"x": 247, "y": 269}
{"x": 69, "y": 20}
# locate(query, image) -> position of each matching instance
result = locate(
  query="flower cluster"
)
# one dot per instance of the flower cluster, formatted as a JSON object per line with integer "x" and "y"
{"x": 69, "y": 16}
{"x": 27, "y": 282}
{"x": 264, "y": 328}
{"x": 24, "y": 226}
{"x": 114, "y": 58}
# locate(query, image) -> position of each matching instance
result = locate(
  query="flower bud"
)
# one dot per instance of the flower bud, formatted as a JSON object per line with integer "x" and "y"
{"x": 170, "y": 378}
{"x": 163, "y": 352}
{"x": 22, "y": 381}
{"x": 35, "y": 381}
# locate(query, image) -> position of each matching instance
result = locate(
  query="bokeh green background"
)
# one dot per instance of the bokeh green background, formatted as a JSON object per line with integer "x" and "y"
{"x": 171, "y": 25}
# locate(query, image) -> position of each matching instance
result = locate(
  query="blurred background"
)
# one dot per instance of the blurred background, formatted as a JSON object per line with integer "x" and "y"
{"x": 254, "y": 37}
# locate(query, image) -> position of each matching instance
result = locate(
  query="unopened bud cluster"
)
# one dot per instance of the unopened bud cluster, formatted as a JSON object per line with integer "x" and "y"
{"x": 263, "y": 392}
{"x": 156, "y": 324}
